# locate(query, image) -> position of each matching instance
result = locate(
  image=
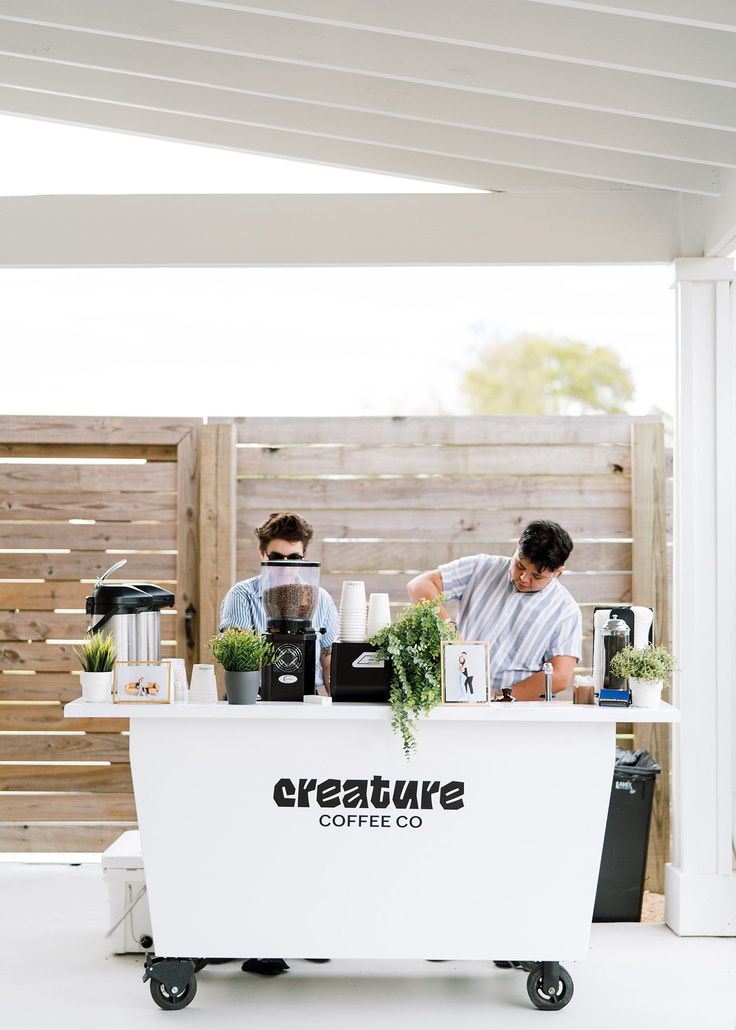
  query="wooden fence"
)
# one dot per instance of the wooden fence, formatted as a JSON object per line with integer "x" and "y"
{"x": 388, "y": 497}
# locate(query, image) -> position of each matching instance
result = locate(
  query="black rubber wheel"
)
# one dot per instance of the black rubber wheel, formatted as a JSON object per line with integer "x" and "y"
{"x": 165, "y": 1000}
{"x": 146, "y": 942}
{"x": 535, "y": 990}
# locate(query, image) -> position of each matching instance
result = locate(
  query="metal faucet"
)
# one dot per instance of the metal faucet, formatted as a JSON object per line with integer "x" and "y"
{"x": 548, "y": 674}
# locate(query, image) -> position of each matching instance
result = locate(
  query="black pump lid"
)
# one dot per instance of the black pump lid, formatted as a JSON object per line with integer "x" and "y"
{"x": 118, "y": 599}
{"x": 160, "y": 597}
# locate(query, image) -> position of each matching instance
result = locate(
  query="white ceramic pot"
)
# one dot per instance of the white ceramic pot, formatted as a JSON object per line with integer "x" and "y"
{"x": 645, "y": 693}
{"x": 96, "y": 687}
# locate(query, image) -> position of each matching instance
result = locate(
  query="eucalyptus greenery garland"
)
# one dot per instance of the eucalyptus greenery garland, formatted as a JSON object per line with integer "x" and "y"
{"x": 413, "y": 644}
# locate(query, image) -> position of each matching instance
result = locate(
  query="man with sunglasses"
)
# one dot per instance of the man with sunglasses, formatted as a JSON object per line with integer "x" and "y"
{"x": 284, "y": 535}
{"x": 519, "y": 605}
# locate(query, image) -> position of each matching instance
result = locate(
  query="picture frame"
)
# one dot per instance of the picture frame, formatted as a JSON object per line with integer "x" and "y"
{"x": 466, "y": 676}
{"x": 145, "y": 682}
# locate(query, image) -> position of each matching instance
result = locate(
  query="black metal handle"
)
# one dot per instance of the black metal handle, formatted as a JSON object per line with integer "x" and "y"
{"x": 189, "y": 614}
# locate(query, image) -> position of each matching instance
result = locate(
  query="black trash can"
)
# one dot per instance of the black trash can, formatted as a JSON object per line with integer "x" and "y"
{"x": 623, "y": 863}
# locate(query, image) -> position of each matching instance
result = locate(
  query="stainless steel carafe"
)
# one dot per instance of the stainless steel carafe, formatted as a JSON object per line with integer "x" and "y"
{"x": 130, "y": 613}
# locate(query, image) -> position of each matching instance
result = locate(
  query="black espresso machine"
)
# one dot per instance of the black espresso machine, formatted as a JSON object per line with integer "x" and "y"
{"x": 290, "y": 595}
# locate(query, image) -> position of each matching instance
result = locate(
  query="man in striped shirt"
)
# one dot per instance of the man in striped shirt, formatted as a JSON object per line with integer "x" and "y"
{"x": 282, "y": 535}
{"x": 519, "y": 605}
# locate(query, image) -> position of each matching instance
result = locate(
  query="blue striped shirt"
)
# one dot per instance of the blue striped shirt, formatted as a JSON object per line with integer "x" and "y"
{"x": 243, "y": 606}
{"x": 525, "y": 629}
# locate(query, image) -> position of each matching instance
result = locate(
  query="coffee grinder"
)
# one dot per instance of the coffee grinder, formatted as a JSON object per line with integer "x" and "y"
{"x": 290, "y": 594}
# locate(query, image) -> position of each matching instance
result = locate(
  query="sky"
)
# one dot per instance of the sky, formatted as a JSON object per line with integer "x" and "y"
{"x": 329, "y": 341}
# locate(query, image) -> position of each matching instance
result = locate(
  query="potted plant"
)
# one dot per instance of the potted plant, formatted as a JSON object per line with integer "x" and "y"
{"x": 413, "y": 646}
{"x": 242, "y": 653}
{"x": 97, "y": 656}
{"x": 647, "y": 669}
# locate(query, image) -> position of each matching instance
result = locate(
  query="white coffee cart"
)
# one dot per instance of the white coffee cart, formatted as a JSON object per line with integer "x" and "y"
{"x": 297, "y": 829}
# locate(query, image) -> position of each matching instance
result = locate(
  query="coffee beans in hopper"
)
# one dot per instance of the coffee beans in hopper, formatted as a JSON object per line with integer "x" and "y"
{"x": 290, "y": 601}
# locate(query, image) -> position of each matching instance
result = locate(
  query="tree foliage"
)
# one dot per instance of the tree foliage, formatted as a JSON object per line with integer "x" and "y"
{"x": 532, "y": 375}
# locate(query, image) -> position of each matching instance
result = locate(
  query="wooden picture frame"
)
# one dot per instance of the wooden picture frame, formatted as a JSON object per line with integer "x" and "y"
{"x": 143, "y": 682}
{"x": 466, "y": 678}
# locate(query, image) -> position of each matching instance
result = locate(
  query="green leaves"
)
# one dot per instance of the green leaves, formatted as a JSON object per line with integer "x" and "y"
{"x": 97, "y": 653}
{"x": 649, "y": 663}
{"x": 413, "y": 645}
{"x": 241, "y": 650}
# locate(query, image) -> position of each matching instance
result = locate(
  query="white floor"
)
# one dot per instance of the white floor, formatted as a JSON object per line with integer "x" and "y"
{"x": 57, "y": 976}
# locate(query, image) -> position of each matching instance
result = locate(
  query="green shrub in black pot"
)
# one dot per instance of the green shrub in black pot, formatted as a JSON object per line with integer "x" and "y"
{"x": 242, "y": 653}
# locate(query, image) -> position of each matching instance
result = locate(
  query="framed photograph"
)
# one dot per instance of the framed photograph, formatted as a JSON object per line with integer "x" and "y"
{"x": 142, "y": 682}
{"x": 465, "y": 672}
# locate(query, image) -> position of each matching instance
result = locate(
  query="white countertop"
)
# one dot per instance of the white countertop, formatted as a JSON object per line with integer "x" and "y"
{"x": 519, "y": 711}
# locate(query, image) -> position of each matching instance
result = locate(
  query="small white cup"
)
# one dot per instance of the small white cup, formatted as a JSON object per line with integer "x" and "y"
{"x": 353, "y": 596}
{"x": 379, "y": 613}
{"x": 203, "y": 689}
{"x": 96, "y": 687}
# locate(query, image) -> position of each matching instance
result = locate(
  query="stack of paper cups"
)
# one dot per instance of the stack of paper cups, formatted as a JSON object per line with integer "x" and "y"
{"x": 352, "y": 610}
{"x": 203, "y": 688}
{"x": 379, "y": 614}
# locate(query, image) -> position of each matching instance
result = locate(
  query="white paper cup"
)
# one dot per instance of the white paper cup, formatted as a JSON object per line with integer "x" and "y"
{"x": 203, "y": 689}
{"x": 379, "y": 613}
{"x": 353, "y": 595}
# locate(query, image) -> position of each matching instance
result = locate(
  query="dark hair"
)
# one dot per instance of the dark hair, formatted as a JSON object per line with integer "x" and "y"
{"x": 546, "y": 544}
{"x": 284, "y": 525}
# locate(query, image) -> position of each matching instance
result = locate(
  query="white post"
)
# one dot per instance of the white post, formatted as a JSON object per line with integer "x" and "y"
{"x": 700, "y": 881}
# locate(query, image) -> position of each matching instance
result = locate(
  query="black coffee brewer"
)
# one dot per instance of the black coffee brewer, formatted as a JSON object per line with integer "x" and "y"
{"x": 290, "y": 595}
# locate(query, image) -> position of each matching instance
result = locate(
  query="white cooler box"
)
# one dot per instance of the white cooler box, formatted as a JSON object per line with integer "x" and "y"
{"x": 122, "y": 869}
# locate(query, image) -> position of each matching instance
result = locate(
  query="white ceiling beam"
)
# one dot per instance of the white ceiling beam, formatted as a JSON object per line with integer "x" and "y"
{"x": 710, "y": 14}
{"x": 517, "y": 26}
{"x": 369, "y": 94}
{"x": 202, "y": 231}
{"x": 717, "y": 219}
{"x": 292, "y": 146}
{"x": 390, "y": 56}
{"x": 221, "y": 106}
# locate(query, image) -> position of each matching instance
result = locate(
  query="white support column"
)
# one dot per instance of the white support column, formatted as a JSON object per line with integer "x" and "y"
{"x": 700, "y": 881}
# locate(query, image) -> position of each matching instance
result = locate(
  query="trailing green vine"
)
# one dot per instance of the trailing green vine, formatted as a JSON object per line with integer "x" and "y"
{"x": 413, "y": 644}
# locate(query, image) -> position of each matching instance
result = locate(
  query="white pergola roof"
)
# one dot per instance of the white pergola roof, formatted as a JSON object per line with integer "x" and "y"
{"x": 608, "y": 124}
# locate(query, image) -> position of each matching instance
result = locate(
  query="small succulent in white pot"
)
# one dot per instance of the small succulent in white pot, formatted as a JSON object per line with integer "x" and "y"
{"x": 647, "y": 670}
{"x": 97, "y": 656}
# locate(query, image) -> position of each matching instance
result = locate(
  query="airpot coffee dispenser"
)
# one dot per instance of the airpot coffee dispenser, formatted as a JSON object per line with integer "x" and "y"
{"x": 130, "y": 613}
{"x": 290, "y": 594}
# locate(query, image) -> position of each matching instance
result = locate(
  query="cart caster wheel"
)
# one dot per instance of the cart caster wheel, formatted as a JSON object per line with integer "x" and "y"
{"x": 537, "y": 995}
{"x": 166, "y": 998}
{"x": 146, "y": 942}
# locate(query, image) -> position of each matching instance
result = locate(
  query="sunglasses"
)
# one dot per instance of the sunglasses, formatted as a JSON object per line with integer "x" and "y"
{"x": 275, "y": 556}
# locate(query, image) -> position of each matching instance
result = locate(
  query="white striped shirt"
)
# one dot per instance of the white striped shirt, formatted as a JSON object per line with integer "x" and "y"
{"x": 525, "y": 629}
{"x": 243, "y": 607}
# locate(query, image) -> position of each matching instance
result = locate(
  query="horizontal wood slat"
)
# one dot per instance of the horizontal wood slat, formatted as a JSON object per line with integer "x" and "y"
{"x": 25, "y": 626}
{"x": 83, "y": 504}
{"x": 41, "y": 686}
{"x": 50, "y": 719}
{"x": 434, "y": 429}
{"x": 49, "y": 657}
{"x": 149, "y": 452}
{"x": 63, "y": 837}
{"x": 120, "y": 536}
{"x": 531, "y": 460}
{"x": 41, "y": 747}
{"x": 157, "y": 476}
{"x": 103, "y": 431}
{"x": 44, "y": 596}
{"x": 86, "y": 564}
{"x": 103, "y": 779}
{"x": 354, "y": 556}
{"x": 55, "y": 807}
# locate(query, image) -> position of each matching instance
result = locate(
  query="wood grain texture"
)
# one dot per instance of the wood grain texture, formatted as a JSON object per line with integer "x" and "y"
{"x": 87, "y": 504}
{"x": 120, "y": 536}
{"x": 454, "y": 461}
{"x": 187, "y": 544}
{"x": 62, "y": 837}
{"x": 49, "y": 657}
{"x": 28, "y": 626}
{"x": 86, "y": 565}
{"x": 41, "y": 747}
{"x": 650, "y": 588}
{"x": 217, "y": 532}
{"x": 44, "y": 596}
{"x": 102, "y": 431}
{"x": 40, "y": 686}
{"x": 434, "y": 429}
{"x": 105, "y": 779}
{"x": 58, "y": 806}
{"x": 49, "y": 718}
{"x": 154, "y": 477}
